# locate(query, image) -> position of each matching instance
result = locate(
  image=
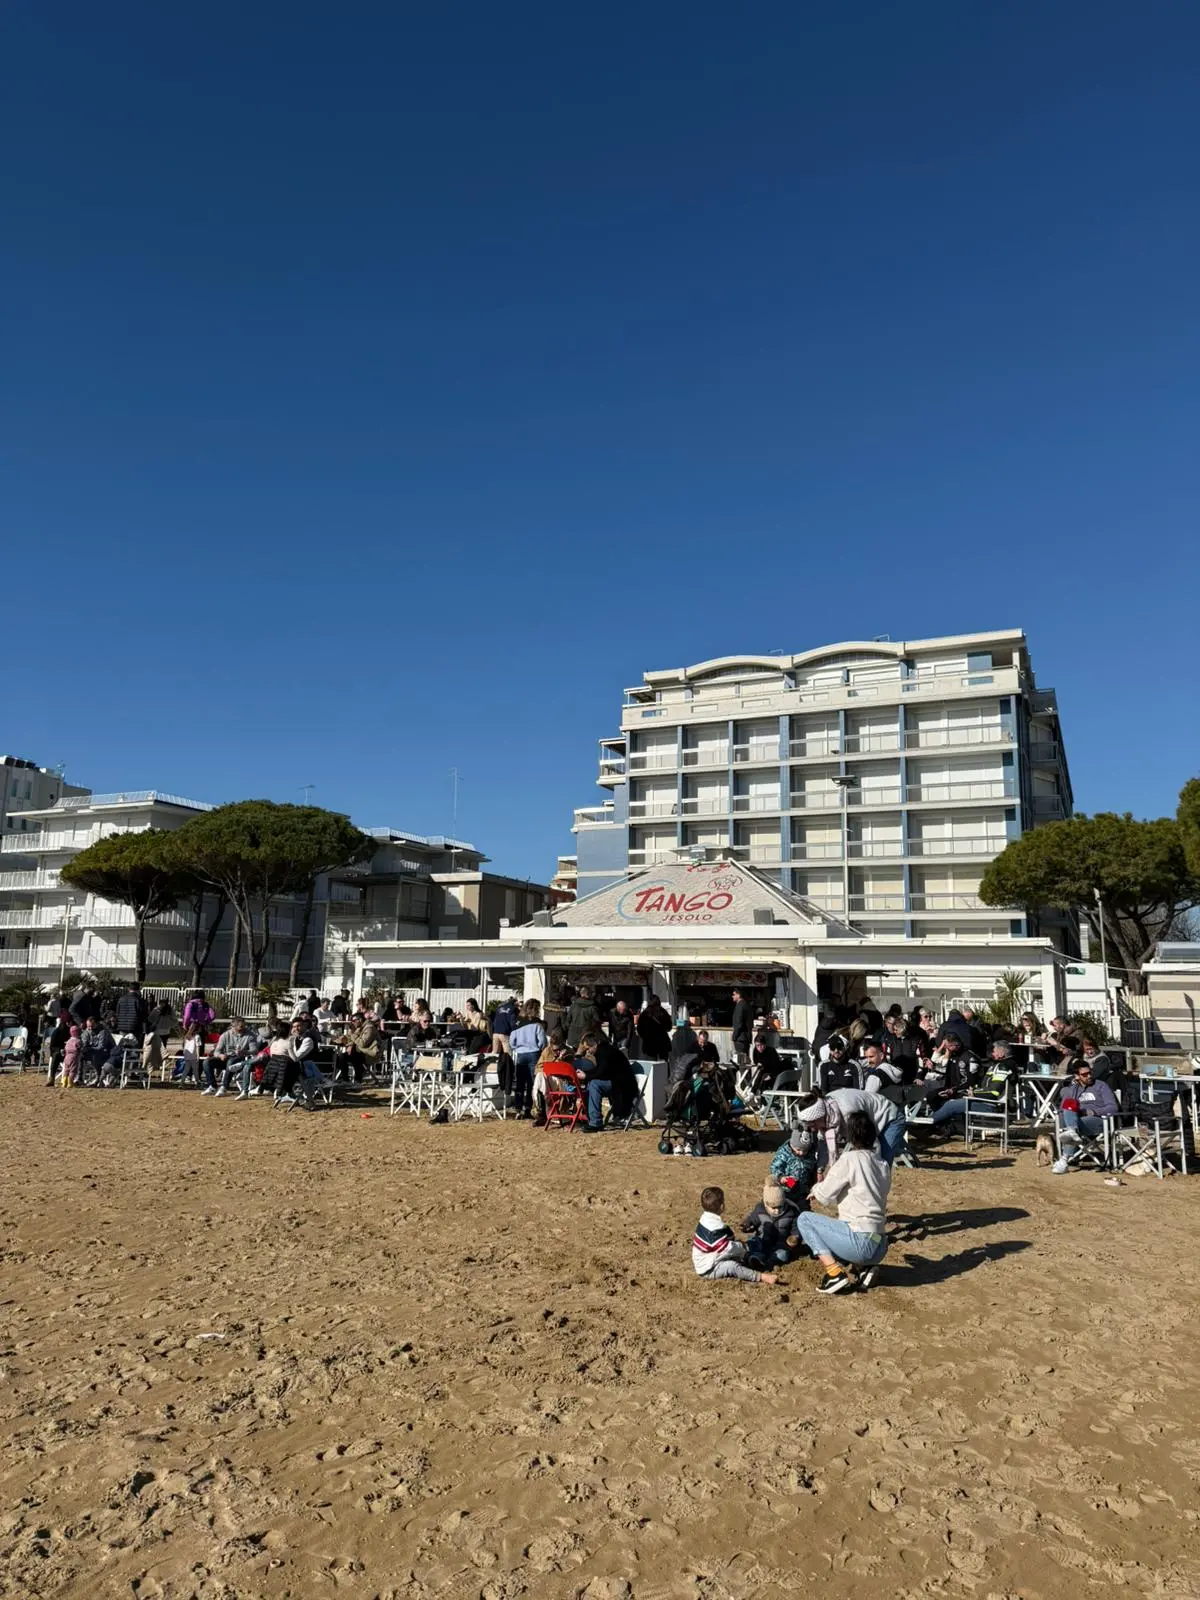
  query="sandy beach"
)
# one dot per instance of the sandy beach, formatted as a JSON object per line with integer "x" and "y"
{"x": 253, "y": 1354}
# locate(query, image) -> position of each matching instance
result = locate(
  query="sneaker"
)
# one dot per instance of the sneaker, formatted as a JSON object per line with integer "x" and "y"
{"x": 208, "y": 1091}
{"x": 834, "y": 1283}
{"x": 866, "y": 1276}
{"x": 257, "y": 1090}
{"x": 242, "y": 1094}
{"x": 220, "y": 1091}
{"x": 1069, "y": 1136}
{"x": 1061, "y": 1165}
{"x": 588, "y": 1127}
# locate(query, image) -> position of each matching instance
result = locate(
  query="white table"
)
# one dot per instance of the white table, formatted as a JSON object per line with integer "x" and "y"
{"x": 1044, "y": 1087}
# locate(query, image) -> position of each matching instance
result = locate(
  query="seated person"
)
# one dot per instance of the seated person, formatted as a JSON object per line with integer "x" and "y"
{"x": 765, "y": 1062}
{"x": 858, "y": 1184}
{"x": 715, "y": 1252}
{"x": 838, "y": 1071}
{"x": 1104, "y": 1068}
{"x": 881, "y": 1076}
{"x": 1085, "y": 1104}
{"x": 231, "y": 1057}
{"x": 949, "y": 1074}
{"x": 772, "y": 1227}
{"x": 794, "y": 1164}
{"x": 97, "y": 1045}
{"x": 608, "y": 1075}
{"x": 997, "y": 1077}
{"x": 710, "y": 1056}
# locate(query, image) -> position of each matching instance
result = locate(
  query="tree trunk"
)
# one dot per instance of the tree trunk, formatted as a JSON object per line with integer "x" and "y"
{"x": 139, "y": 960}
{"x": 298, "y": 951}
{"x": 235, "y": 955}
{"x": 202, "y": 948}
{"x": 258, "y": 943}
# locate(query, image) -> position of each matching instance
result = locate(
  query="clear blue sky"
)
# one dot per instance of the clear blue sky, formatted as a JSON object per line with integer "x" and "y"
{"x": 383, "y": 387}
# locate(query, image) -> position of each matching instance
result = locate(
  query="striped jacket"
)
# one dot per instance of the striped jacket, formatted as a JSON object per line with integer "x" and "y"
{"x": 713, "y": 1237}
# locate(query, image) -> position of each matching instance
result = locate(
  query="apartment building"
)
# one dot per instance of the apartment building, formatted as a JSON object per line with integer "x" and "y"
{"x": 877, "y": 779}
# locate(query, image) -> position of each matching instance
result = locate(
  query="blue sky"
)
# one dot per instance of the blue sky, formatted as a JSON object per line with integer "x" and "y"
{"x": 385, "y": 387}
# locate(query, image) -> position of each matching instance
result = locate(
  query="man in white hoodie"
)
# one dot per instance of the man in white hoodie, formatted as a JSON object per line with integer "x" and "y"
{"x": 858, "y": 1184}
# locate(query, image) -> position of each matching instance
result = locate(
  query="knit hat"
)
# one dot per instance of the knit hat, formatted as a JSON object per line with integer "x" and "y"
{"x": 817, "y": 1112}
{"x": 801, "y": 1141}
{"x": 772, "y": 1195}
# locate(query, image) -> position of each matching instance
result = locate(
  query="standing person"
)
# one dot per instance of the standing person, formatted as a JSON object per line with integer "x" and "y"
{"x": 198, "y": 1013}
{"x": 193, "y": 1053}
{"x": 56, "y": 1044}
{"x": 161, "y": 1021}
{"x": 86, "y": 1007}
{"x": 858, "y": 1184}
{"x": 622, "y": 1028}
{"x": 654, "y": 1030}
{"x": 743, "y": 1018}
{"x": 504, "y": 1020}
{"x": 132, "y": 1012}
{"x": 339, "y": 1006}
{"x": 72, "y": 1052}
{"x": 582, "y": 1017}
{"x": 527, "y": 1040}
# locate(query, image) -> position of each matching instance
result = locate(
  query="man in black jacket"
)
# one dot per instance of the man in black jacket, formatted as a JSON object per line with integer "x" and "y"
{"x": 743, "y": 1025}
{"x": 654, "y": 1030}
{"x": 581, "y": 1018}
{"x": 622, "y": 1028}
{"x": 131, "y": 1012}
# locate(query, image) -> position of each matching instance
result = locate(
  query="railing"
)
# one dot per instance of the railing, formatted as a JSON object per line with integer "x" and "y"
{"x": 753, "y": 754}
{"x": 651, "y": 858}
{"x": 652, "y": 808}
{"x": 951, "y": 901}
{"x": 587, "y": 814}
{"x": 130, "y": 797}
{"x": 817, "y": 852}
{"x": 652, "y": 761}
{"x": 956, "y": 847}
{"x": 764, "y": 852}
{"x": 31, "y": 844}
{"x": 1044, "y": 754}
{"x": 700, "y": 805}
{"x": 29, "y": 880}
{"x": 344, "y": 894}
{"x": 877, "y": 902}
{"x": 870, "y": 743}
{"x": 800, "y": 749}
{"x": 20, "y": 844}
{"x": 1049, "y": 805}
{"x": 816, "y": 800}
{"x": 717, "y": 756}
{"x": 612, "y": 769}
{"x": 874, "y": 797}
{"x": 756, "y": 802}
{"x": 940, "y": 738}
{"x": 945, "y": 793}
{"x": 875, "y": 849}
{"x": 826, "y": 900}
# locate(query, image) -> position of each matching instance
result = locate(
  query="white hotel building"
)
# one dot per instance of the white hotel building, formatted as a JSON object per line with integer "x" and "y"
{"x": 876, "y": 779}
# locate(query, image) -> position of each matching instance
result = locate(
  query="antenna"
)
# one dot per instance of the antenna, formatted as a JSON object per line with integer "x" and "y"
{"x": 306, "y": 790}
{"x": 454, "y": 794}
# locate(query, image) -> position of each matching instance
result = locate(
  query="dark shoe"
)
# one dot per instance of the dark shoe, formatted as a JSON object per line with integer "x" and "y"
{"x": 866, "y": 1276}
{"x": 588, "y": 1128}
{"x": 834, "y": 1282}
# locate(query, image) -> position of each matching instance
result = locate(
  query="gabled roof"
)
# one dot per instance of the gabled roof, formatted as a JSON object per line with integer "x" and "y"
{"x": 697, "y": 894}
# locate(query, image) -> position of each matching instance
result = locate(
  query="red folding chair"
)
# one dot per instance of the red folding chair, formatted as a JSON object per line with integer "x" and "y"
{"x": 566, "y": 1096}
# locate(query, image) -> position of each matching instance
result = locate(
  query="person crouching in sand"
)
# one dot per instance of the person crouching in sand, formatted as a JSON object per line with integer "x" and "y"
{"x": 857, "y": 1183}
{"x": 715, "y": 1252}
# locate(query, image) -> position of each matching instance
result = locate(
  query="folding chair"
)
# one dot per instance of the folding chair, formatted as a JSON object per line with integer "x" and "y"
{"x": 566, "y": 1095}
{"x": 1086, "y": 1150}
{"x": 985, "y": 1116}
{"x": 638, "y": 1111}
{"x": 436, "y": 1088}
{"x": 405, "y": 1087}
{"x": 314, "y": 1089}
{"x": 132, "y": 1070}
{"x": 478, "y": 1093}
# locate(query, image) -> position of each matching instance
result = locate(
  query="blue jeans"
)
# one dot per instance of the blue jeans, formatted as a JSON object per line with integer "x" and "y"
{"x": 891, "y": 1140}
{"x": 769, "y": 1252}
{"x": 596, "y": 1091}
{"x": 524, "y": 1062}
{"x": 1089, "y": 1127}
{"x": 827, "y": 1236}
{"x": 949, "y": 1111}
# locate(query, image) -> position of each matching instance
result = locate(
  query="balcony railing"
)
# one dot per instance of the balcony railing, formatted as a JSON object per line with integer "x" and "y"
{"x": 1048, "y": 805}
{"x": 756, "y": 802}
{"x": 593, "y": 814}
{"x": 934, "y": 738}
{"x": 817, "y": 852}
{"x": 751, "y": 754}
{"x": 874, "y": 796}
{"x": 958, "y": 900}
{"x": 956, "y": 847}
{"x": 29, "y": 880}
{"x": 702, "y": 805}
{"x": 948, "y": 793}
{"x": 871, "y": 743}
{"x": 877, "y": 902}
{"x": 653, "y": 808}
{"x": 652, "y": 858}
{"x": 806, "y": 749}
{"x": 875, "y": 849}
{"x": 1045, "y": 753}
{"x": 707, "y": 756}
{"x": 816, "y": 799}
{"x": 652, "y": 761}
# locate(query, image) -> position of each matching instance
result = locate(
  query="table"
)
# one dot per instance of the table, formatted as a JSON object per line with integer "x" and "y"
{"x": 1044, "y": 1088}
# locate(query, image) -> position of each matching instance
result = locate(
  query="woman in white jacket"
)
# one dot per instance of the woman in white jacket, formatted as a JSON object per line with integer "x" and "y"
{"x": 857, "y": 1183}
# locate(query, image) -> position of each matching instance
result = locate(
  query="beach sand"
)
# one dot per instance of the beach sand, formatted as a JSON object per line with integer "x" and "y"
{"x": 252, "y": 1354}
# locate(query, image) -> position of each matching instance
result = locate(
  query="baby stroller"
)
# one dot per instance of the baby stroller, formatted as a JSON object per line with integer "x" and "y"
{"x": 704, "y": 1112}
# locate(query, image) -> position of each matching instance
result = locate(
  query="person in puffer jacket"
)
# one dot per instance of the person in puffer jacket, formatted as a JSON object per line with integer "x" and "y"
{"x": 794, "y": 1166}
{"x": 772, "y": 1226}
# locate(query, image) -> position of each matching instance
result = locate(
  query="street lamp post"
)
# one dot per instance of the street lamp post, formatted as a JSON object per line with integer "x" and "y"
{"x": 62, "y": 964}
{"x": 1103, "y": 956}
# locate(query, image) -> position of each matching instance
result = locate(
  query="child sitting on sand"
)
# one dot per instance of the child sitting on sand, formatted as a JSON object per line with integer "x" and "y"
{"x": 772, "y": 1225}
{"x": 715, "y": 1252}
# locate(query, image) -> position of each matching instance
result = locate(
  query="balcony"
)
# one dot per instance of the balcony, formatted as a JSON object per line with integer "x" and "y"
{"x": 653, "y": 857}
{"x": 816, "y": 799}
{"x": 593, "y": 816}
{"x": 875, "y": 849}
{"x": 860, "y": 744}
{"x": 612, "y": 770}
{"x": 653, "y": 761}
{"x": 707, "y": 756}
{"x": 823, "y": 851}
{"x": 29, "y": 880}
{"x": 1049, "y": 806}
{"x": 877, "y": 902}
{"x": 51, "y": 839}
{"x": 957, "y": 900}
{"x": 934, "y": 738}
{"x": 812, "y": 749}
{"x": 765, "y": 754}
{"x": 956, "y": 847}
{"x": 890, "y": 796}
{"x": 703, "y": 805}
{"x": 1045, "y": 752}
{"x": 953, "y": 793}
{"x": 756, "y": 802}
{"x": 652, "y": 808}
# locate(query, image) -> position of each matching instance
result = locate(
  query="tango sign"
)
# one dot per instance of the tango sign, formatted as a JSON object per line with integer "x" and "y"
{"x": 656, "y": 902}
